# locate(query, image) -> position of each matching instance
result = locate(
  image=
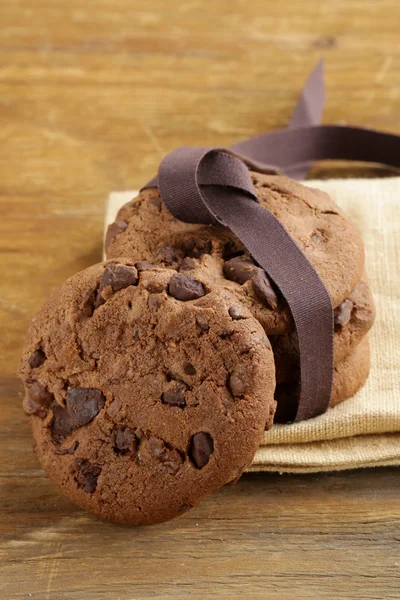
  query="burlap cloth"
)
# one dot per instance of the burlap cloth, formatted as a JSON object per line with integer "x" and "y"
{"x": 365, "y": 430}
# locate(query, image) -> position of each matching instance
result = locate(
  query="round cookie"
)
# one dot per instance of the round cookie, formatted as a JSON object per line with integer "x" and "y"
{"x": 349, "y": 376}
{"x": 353, "y": 319}
{"x": 147, "y": 389}
{"x": 145, "y": 228}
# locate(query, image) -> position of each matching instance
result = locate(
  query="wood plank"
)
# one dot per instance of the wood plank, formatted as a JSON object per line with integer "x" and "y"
{"x": 91, "y": 97}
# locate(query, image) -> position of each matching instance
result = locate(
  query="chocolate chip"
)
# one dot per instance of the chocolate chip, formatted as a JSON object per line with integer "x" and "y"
{"x": 168, "y": 255}
{"x": 188, "y": 264}
{"x": 144, "y": 266}
{"x": 118, "y": 277}
{"x": 342, "y": 313}
{"x": 86, "y": 475}
{"x": 36, "y": 359}
{"x": 83, "y": 404}
{"x": 189, "y": 369}
{"x": 169, "y": 457}
{"x": 185, "y": 287}
{"x": 237, "y": 382}
{"x": 239, "y": 269}
{"x": 194, "y": 248}
{"x": 62, "y": 424}
{"x": 202, "y": 322}
{"x": 174, "y": 398}
{"x": 71, "y": 450}
{"x": 113, "y": 230}
{"x": 201, "y": 447}
{"x": 125, "y": 441}
{"x": 263, "y": 290}
{"x": 238, "y": 312}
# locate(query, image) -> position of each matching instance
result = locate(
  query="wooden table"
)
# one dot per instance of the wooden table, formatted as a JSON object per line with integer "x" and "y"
{"x": 91, "y": 97}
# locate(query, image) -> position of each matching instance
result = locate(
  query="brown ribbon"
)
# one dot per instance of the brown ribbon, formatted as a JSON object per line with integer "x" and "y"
{"x": 213, "y": 185}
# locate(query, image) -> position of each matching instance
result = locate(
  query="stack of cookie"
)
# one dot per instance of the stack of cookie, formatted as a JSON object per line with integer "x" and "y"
{"x": 145, "y": 228}
{"x": 150, "y": 378}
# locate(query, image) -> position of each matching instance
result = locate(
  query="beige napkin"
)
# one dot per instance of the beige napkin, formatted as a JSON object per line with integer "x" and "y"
{"x": 365, "y": 430}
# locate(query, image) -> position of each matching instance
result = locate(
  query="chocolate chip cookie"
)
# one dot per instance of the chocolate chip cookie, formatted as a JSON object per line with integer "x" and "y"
{"x": 147, "y": 388}
{"x": 145, "y": 228}
{"x": 349, "y": 376}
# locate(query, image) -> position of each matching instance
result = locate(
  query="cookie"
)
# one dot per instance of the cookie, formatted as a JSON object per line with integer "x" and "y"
{"x": 349, "y": 376}
{"x": 145, "y": 228}
{"x": 147, "y": 389}
{"x": 353, "y": 319}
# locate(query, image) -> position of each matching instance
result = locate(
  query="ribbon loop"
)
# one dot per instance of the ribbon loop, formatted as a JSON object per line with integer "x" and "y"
{"x": 178, "y": 185}
{"x": 220, "y": 167}
{"x": 184, "y": 170}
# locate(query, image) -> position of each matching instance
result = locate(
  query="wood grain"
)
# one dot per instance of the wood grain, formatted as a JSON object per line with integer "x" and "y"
{"x": 91, "y": 97}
